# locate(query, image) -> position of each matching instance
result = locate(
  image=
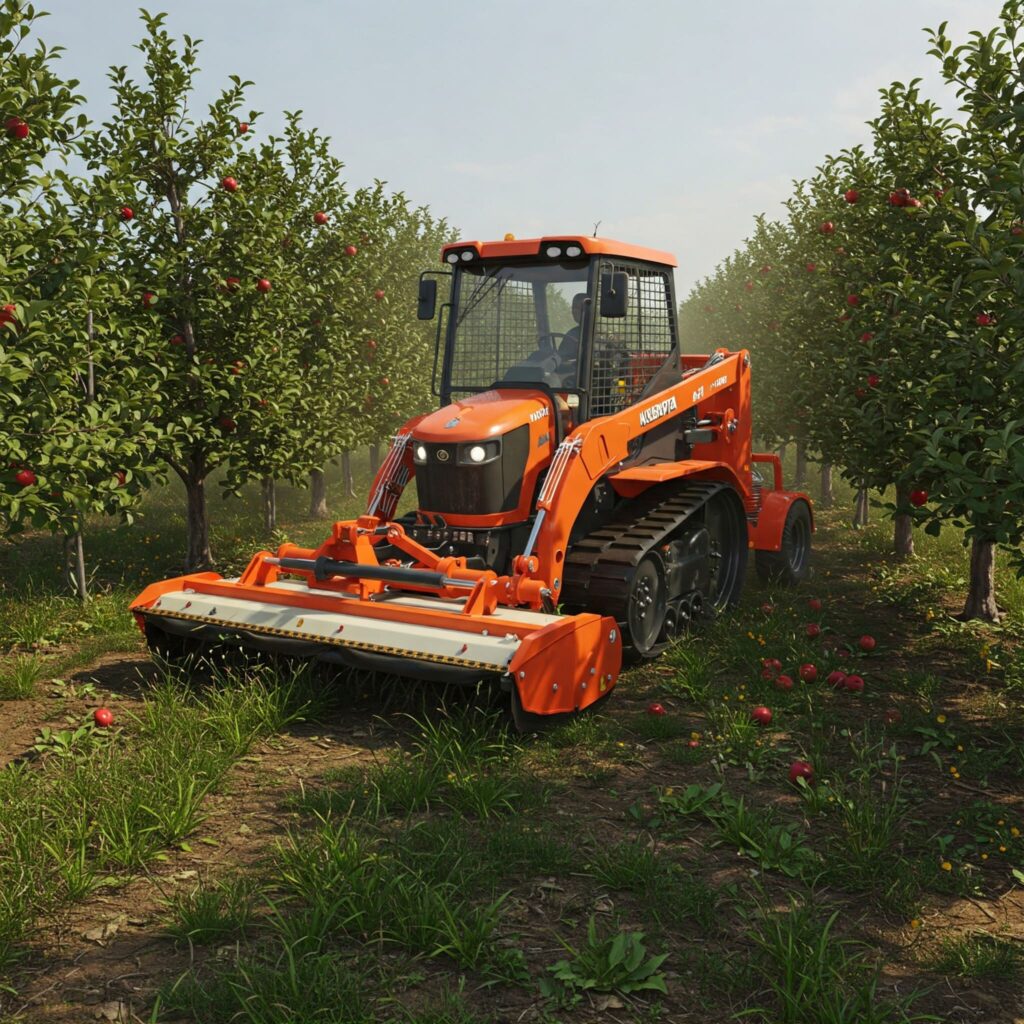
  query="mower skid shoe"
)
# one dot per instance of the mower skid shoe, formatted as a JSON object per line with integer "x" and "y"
{"x": 568, "y": 665}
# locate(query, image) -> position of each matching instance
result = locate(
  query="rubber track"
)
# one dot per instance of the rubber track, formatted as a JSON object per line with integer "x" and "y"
{"x": 598, "y": 567}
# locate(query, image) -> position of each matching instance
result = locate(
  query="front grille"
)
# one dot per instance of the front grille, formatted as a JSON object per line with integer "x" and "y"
{"x": 445, "y": 485}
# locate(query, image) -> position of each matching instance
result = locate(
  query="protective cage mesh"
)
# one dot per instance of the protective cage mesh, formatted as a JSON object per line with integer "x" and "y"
{"x": 629, "y": 350}
{"x": 497, "y": 329}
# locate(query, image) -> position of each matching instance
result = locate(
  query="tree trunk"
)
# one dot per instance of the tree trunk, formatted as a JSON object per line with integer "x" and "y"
{"x": 781, "y": 452}
{"x": 903, "y": 526}
{"x": 198, "y": 555}
{"x": 317, "y": 494}
{"x": 348, "y": 483}
{"x": 827, "y": 497}
{"x": 860, "y": 508}
{"x": 374, "y": 459}
{"x": 800, "y": 472}
{"x": 981, "y": 594}
{"x": 268, "y": 489}
{"x": 74, "y": 566}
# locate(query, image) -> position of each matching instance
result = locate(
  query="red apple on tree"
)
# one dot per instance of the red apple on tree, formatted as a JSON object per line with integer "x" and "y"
{"x": 828, "y": 228}
{"x": 227, "y": 423}
{"x": 866, "y": 336}
{"x": 176, "y": 339}
{"x": 121, "y": 477}
{"x": 853, "y": 300}
{"x": 229, "y": 184}
{"x": 103, "y": 717}
{"x": 761, "y": 715}
{"x": 350, "y": 250}
{"x": 149, "y": 299}
{"x": 984, "y": 319}
{"x": 874, "y": 380}
{"x": 851, "y": 195}
{"x": 231, "y": 284}
{"x": 24, "y": 478}
{"x": 7, "y": 314}
{"x": 918, "y": 498}
{"x": 127, "y": 213}
{"x": 263, "y": 285}
{"x": 1017, "y": 230}
{"x": 16, "y": 128}
{"x": 320, "y": 217}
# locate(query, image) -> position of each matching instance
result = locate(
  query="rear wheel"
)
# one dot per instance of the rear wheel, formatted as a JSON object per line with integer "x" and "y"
{"x": 792, "y": 562}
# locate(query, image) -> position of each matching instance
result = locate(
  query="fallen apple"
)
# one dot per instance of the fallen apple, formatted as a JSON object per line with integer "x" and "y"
{"x": 801, "y": 770}
{"x": 783, "y": 682}
{"x": 103, "y": 717}
{"x": 761, "y": 715}
{"x": 867, "y": 643}
{"x": 655, "y": 709}
{"x": 809, "y": 673}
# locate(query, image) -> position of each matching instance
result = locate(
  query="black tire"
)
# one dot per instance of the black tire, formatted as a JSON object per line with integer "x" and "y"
{"x": 791, "y": 564}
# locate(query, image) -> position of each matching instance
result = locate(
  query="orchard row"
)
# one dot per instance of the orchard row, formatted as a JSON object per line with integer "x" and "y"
{"x": 885, "y": 312}
{"x": 195, "y": 298}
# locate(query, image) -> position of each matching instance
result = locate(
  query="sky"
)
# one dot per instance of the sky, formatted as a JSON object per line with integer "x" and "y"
{"x": 673, "y": 123}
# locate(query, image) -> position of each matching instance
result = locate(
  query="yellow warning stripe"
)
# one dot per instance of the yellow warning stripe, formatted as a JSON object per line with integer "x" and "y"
{"x": 292, "y": 634}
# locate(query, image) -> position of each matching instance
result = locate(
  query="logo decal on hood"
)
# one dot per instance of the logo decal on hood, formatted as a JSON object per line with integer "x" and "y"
{"x": 452, "y": 423}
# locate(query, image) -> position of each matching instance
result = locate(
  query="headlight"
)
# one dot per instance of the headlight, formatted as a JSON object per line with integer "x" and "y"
{"x": 480, "y": 452}
{"x": 573, "y": 251}
{"x": 553, "y": 251}
{"x": 420, "y": 453}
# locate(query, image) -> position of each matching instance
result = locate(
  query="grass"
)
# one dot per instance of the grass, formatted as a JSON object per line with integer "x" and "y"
{"x": 70, "y": 823}
{"x": 458, "y": 874}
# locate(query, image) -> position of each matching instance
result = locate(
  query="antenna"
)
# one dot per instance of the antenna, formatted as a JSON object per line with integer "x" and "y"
{"x": 596, "y": 226}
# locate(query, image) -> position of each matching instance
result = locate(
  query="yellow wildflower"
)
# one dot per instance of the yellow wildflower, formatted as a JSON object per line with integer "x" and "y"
{"x": 915, "y": 923}
{"x": 940, "y": 719}
{"x": 946, "y": 866}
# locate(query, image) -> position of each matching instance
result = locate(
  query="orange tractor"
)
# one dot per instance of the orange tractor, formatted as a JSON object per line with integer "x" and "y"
{"x": 585, "y": 495}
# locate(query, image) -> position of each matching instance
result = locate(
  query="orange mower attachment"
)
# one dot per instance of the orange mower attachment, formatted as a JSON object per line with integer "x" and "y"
{"x": 442, "y": 621}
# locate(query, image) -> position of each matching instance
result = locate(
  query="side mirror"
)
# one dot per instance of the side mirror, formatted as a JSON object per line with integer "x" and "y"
{"x": 614, "y": 293}
{"x": 427, "y": 299}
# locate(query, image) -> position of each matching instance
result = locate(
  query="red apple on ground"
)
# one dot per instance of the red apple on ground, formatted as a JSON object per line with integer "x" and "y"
{"x": 772, "y": 665}
{"x": 918, "y": 498}
{"x": 892, "y": 717}
{"x": 24, "y": 478}
{"x": 767, "y": 608}
{"x": 103, "y": 717}
{"x": 867, "y": 642}
{"x": 229, "y": 184}
{"x": 263, "y": 285}
{"x": 855, "y": 684}
{"x": 801, "y": 770}
{"x": 350, "y": 250}
{"x": 127, "y": 213}
{"x": 379, "y": 294}
{"x": 761, "y": 715}
{"x": 836, "y": 678}
{"x": 809, "y": 673}
{"x": 861, "y": 393}
{"x": 320, "y": 217}
{"x": 783, "y": 682}
{"x": 851, "y": 195}
{"x": 655, "y": 709}
{"x": 812, "y": 629}
{"x": 693, "y": 744}
{"x": 814, "y": 603}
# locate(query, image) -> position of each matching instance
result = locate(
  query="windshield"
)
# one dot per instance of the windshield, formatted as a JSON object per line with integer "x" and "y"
{"x": 518, "y": 323}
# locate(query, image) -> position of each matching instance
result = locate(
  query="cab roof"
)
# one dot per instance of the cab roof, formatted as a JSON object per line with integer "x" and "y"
{"x": 536, "y": 246}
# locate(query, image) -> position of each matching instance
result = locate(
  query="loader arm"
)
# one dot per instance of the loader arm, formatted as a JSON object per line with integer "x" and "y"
{"x": 718, "y": 391}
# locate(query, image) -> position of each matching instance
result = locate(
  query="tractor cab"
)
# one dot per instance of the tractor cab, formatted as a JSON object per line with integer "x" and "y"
{"x": 589, "y": 320}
